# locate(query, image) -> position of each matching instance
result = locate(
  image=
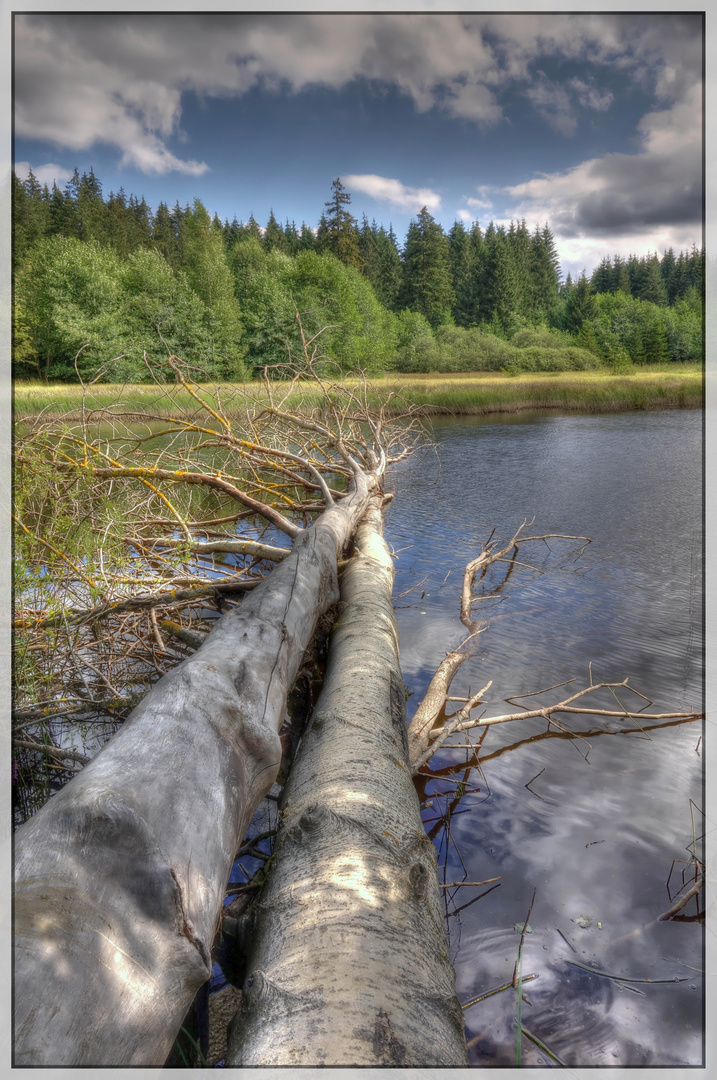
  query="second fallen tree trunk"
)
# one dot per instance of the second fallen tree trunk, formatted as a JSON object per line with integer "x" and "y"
{"x": 120, "y": 878}
{"x": 348, "y": 958}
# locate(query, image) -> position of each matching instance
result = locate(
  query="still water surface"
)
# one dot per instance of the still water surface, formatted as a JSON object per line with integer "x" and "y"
{"x": 595, "y": 838}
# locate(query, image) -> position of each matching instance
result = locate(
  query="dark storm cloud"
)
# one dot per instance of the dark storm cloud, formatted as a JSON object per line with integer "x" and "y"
{"x": 628, "y": 194}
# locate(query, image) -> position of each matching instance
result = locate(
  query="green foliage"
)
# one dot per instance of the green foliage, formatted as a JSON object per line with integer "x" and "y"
{"x": 209, "y": 276}
{"x": 634, "y": 331}
{"x": 456, "y": 348}
{"x": 427, "y": 285}
{"x": 160, "y": 311}
{"x": 264, "y": 296}
{"x": 415, "y": 342}
{"x": 70, "y": 298}
{"x": 341, "y": 236}
{"x": 360, "y": 332}
{"x": 223, "y": 295}
{"x": 380, "y": 262}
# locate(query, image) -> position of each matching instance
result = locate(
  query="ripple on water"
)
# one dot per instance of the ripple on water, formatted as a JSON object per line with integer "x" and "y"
{"x": 596, "y": 837}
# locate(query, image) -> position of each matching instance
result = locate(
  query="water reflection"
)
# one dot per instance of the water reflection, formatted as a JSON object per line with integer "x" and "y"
{"x": 597, "y": 838}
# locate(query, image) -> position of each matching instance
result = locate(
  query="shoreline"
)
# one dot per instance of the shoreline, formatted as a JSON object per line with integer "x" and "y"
{"x": 449, "y": 394}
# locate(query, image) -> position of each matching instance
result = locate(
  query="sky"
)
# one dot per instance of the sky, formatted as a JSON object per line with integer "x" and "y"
{"x": 591, "y": 122}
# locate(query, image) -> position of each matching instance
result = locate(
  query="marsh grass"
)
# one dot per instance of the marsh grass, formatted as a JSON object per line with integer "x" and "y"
{"x": 460, "y": 393}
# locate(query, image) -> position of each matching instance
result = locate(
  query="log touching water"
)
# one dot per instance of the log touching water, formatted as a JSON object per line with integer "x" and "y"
{"x": 120, "y": 878}
{"x": 349, "y": 963}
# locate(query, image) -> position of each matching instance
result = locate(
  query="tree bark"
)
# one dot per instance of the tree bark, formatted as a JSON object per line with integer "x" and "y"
{"x": 349, "y": 963}
{"x": 121, "y": 877}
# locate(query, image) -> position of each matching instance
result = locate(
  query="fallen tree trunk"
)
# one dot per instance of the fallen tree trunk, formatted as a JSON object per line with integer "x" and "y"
{"x": 348, "y": 958}
{"x": 121, "y": 877}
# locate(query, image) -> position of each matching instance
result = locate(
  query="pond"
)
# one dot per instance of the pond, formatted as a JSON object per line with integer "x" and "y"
{"x": 602, "y": 828}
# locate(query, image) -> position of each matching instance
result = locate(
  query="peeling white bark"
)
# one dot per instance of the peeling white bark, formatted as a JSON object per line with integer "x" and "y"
{"x": 349, "y": 964}
{"x": 120, "y": 878}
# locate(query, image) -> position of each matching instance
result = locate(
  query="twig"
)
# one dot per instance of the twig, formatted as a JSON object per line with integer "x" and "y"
{"x": 496, "y": 990}
{"x": 683, "y": 901}
{"x": 460, "y": 884}
{"x": 522, "y": 938}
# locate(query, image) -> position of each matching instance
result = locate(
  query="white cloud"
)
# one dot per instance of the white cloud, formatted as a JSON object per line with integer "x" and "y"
{"x": 553, "y": 102}
{"x": 590, "y": 97}
{"x": 654, "y": 196}
{"x": 119, "y": 78}
{"x": 384, "y": 189}
{"x": 479, "y": 204}
{"x": 464, "y": 215}
{"x": 46, "y": 174}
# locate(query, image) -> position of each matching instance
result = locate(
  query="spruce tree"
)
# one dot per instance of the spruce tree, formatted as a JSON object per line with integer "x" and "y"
{"x": 388, "y": 278}
{"x": 462, "y": 278}
{"x": 251, "y": 229}
{"x": 63, "y": 213}
{"x": 341, "y": 228}
{"x": 321, "y": 243}
{"x": 116, "y": 223}
{"x": 31, "y": 212}
{"x": 165, "y": 238}
{"x": 579, "y": 306}
{"x": 307, "y": 240}
{"x": 91, "y": 210}
{"x": 274, "y": 235}
{"x": 545, "y": 273}
{"x": 603, "y": 276}
{"x": 653, "y": 287}
{"x": 620, "y": 276}
{"x": 291, "y": 233}
{"x": 668, "y": 267}
{"x": 426, "y": 284}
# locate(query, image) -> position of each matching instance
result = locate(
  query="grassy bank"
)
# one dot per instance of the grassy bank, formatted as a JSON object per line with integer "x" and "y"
{"x": 466, "y": 393}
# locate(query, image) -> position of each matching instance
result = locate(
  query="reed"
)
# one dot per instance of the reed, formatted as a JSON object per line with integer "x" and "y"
{"x": 472, "y": 393}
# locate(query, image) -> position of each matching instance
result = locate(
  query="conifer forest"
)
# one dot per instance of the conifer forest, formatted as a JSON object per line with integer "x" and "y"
{"x": 108, "y": 278}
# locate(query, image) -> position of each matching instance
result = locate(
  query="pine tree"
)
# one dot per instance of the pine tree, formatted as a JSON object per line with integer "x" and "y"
{"x": 31, "y": 212}
{"x": 462, "y": 277}
{"x": 620, "y": 276}
{"x": 165, "y": 237}
{"x": 307, "y": 240}
{"x": 116, "y": 223}
{"x": 251, "y": 229}
{"x": 603, "y": 276}
{"x": 668, "y": 272}
{"x": 321, "y": 243}
{"x": 545, "y": 273}
{"x": 63, "y": 213}
{"x": 292, "y": 237}
{"x": 91, "y": 210}
{"x": 426, "y": 284}
{"x": 341, "y": 227}
{"x": 579, "y": 306}
{"x": 653, "y": 287}
{"x": 274, "y": 235}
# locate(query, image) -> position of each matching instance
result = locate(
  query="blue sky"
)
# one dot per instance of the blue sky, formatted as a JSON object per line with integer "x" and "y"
{"x": 592, "y": 122}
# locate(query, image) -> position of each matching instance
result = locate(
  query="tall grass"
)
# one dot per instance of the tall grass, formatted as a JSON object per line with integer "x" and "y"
{"x": 476, "y": 393}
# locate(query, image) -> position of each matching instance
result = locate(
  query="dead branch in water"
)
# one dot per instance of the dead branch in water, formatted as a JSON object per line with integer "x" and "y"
{"x": 426, "y": 733}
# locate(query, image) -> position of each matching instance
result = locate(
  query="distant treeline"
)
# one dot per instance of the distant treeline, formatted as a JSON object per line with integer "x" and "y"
{"x": 117, "y": 281}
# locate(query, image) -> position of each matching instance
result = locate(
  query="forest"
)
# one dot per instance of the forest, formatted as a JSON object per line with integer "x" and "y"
{"x": 122, "y": 285}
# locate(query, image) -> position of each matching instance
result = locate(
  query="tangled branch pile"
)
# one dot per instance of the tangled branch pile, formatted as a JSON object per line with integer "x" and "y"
{"x": 135, "y": 530}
